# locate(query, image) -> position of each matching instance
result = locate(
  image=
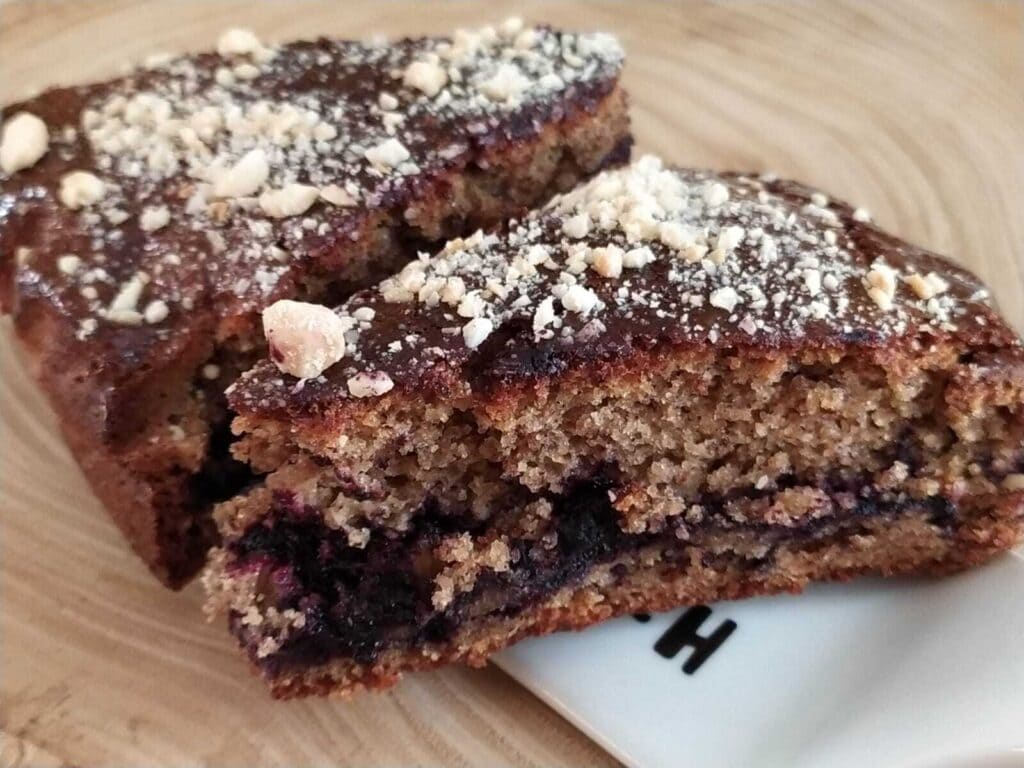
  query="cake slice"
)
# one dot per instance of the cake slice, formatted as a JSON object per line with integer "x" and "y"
{"x": 666, "y": 387}
{"x": 145, "y": 222}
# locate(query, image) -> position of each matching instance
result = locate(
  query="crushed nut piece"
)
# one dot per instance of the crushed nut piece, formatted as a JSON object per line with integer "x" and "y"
{"x": 476, "y": 331}
{"x": 68, "y": 263}
{"x": 426, "y": 76}
{"x": 238, "y": 42}
{"x": 155, "y": 312}
{"x": 370, "y": 384}
{"x": 336, "y": 195}
{"x": 291, "y": 200}
{"x": 23, "y": 142}
{"x": 579, "y": 299}
{"x": 80, "y": 188}
{"x": 724, "y": 298}
{"x": 304, "y": 339}
{"x": 245, "y": 177}
{"x": 154, "y": 218}
{"x": 388, "y": 154}
{"x": 607, "y": 261}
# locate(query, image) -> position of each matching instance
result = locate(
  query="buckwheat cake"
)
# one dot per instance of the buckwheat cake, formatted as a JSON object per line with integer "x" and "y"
{"x": 665, "y": 387}
{"x": 146, "y": 221}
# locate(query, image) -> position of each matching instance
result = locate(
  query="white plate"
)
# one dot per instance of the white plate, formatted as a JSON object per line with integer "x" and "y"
{"x": 914, "y": 673}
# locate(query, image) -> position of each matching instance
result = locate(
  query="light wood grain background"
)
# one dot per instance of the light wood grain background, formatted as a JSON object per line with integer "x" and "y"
{"x": 913, "y": 109}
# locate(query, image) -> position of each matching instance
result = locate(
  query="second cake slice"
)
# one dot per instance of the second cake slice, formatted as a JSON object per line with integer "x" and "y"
{"x": 146, "y": 221}
{"x": 666, "y": 387}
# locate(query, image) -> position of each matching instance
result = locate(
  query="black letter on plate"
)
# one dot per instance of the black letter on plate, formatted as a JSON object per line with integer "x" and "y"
{"x": 684, "y": 633}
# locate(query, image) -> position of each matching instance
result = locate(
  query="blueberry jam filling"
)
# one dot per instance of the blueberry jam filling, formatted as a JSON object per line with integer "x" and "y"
{"x": 359, "y": 602}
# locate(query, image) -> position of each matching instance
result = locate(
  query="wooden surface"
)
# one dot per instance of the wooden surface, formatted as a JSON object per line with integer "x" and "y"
{"x": 911, "y": 109}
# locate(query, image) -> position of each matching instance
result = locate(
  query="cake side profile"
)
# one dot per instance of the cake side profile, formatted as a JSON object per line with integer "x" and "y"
{"x": 145, "y": 223}
{"x": 665, "y": 387}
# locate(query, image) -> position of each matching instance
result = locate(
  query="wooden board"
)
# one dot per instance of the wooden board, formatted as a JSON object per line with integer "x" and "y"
{"x": 911, "y": 109}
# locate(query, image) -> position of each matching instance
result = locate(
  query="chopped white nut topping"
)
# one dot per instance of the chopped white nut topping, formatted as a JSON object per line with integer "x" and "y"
{"x": 68, "y": 263}
{"x": 695, "y": 252}
{"x": 211, "y": 146}
{"x": 544, "y": 315}
{"x": 130, "y": 292}
{"x": 507, "y": 84}
{"x": 926, "y": 286}
{"x": 637, "y": 258}
{"x": 729, "y": 238}
{"x": 245, "y": 177}
{"x": 716, "y": 194}
{"x": 388, "y": 154}
{"x": 471, "y": 305}
{"x": 476, "y": 331}
{"x": 607, "y": 261}
{"x": 291, "y": 200}
{"x": 23, "y": 142}
{"x": 246, "y": 71}
{"x": 577, "y": 226}
{"x": 123, "y": 309}
{"x": 156, "y": 311}
{"x": 812, "y": 280}
{"x": 881, "y": 298}
{"x": 211, "y": 371}
{"x": 370, "y": 384}
{"x": 81, "y": 188}
{"x": 882, "y": 277}
{"x": 305, "y": 339}
{"x": 724, "y": 298}
{"x": 426, "y": 76}
{"x": 748, "y": 325}
{"x": 336, "y": 195}
{"x": 238, "y": 42}
{"x": 639, "y": 251}
{"x": 861, "y": 214}
{"x": 154, "y": 218}
{"x": 86, "y": 327}
{"x": 675, "y": 235}
{"x": 579, "y": 299}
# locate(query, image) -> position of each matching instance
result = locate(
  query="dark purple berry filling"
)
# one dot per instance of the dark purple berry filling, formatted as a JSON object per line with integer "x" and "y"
{"x": 360, "y": 602}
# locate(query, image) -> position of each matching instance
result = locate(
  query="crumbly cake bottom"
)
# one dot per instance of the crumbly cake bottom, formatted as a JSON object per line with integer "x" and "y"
{"x": 349, "y": 619}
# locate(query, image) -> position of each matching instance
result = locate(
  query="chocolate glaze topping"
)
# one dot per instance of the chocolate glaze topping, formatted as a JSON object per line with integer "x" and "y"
{"x": 639, "y": 257}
